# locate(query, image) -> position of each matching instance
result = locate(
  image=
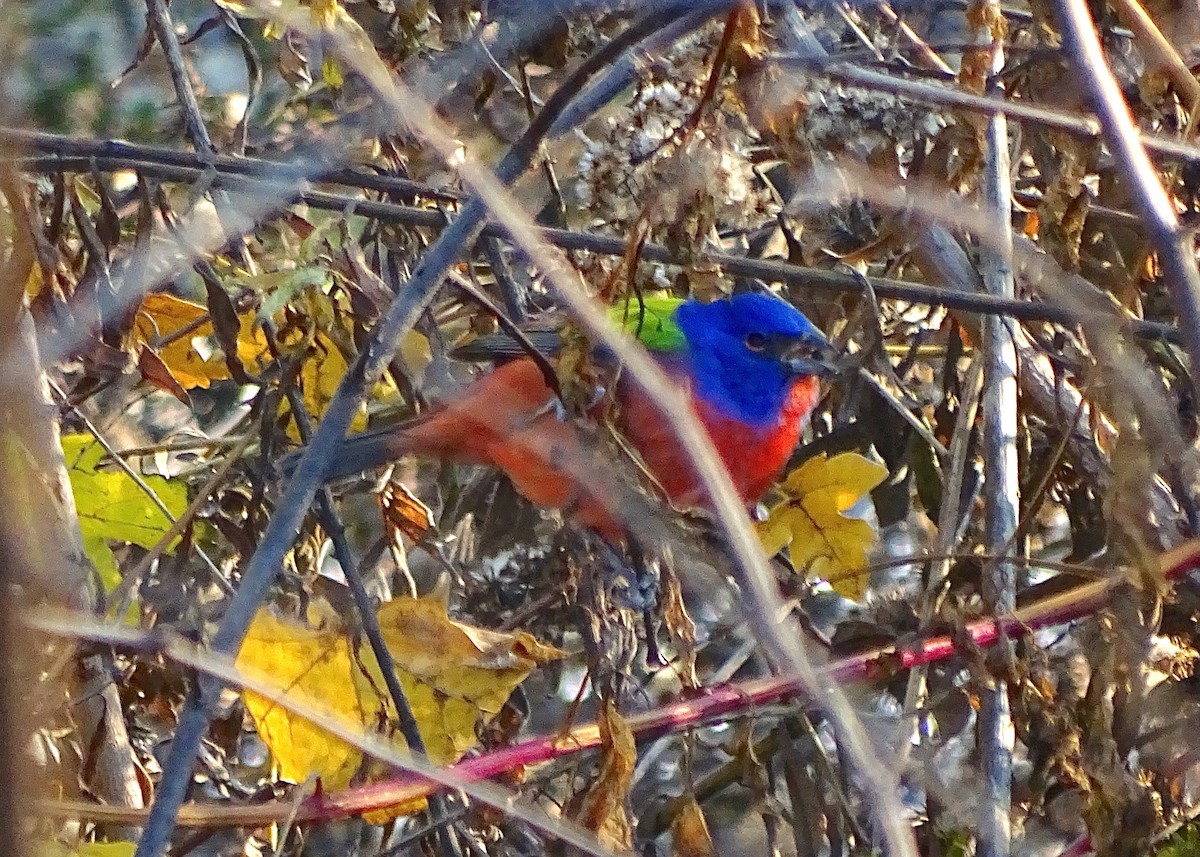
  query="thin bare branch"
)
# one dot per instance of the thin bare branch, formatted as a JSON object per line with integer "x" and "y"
{"x": 1174, "y": 245}
{"x": 160, "y": 21}
{"x": 1001, "y": 477}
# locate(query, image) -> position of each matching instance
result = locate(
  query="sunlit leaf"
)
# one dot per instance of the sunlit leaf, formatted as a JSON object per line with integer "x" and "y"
{"x": 454, "y": 676}
{"x": 112, "y": 507}
{"x": 316, "y": 667}
{"x": 161, "y": 315}
{"x": 320, "y": 374}
{"x": 280, "y": 288}
{"x": 821, "y": 540}
{"x": 122, "y": 848}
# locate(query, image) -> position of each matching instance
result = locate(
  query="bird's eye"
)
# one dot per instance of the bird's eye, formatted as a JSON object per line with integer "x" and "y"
{"x": 756, "y": 342}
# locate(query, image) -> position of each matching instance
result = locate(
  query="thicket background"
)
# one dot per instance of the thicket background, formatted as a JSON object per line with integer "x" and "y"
{"x": 220, "y": 217}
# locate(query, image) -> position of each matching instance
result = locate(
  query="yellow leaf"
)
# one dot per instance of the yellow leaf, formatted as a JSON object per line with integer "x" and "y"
{"x": 321, "y": 372}
{"x": 112, "y": 507}
{"x": 331, "y": 72}
{"x": 106, "y": 849}
{"x": 821, "y": 540}
{"x": 454, "y": 673}
{"x": 33, "y": 283}
{"x": 316, "y": 667}
{"x": 324, "y": 12}
{"x": 325, "y": 346}
{"x": 454, "y": 677}
{"x": 416, "y": 354}
{"x": 161, "y": 315}
{"x": 122, "y": 848}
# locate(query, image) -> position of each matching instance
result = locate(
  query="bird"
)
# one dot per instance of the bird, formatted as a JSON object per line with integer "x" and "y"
{"x": 749, "y": 365}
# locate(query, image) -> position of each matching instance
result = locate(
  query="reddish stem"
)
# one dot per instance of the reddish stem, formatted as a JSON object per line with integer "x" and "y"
{"x": 729, "y": 699}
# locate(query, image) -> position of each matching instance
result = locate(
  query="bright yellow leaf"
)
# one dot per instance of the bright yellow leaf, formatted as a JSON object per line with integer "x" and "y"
{"x": 454, "y": 677}
{"x": 331, "y": 72}
{"x": 33, "y": 283}
{"x": 103, "y": 849}
{"x": 114, "y": 508}
{"x": 316, "y": 667}
{"x": 821, "y": 540}
{"x": 162, "y": 314}
{"x": 320, "y": 374}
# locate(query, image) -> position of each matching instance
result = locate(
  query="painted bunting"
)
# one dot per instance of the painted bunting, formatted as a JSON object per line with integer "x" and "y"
{"x": 750, "y": 367}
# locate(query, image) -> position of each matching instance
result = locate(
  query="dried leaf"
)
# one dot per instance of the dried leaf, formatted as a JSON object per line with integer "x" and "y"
{"x": 747, "y": 46}
{"x": 227, "y": 327}
{"x": 404, "y": 513}
{"x": 158, "y": 374}
{"x": 604, "y": 807}
{"x": 822, "y": 541}
{"x": 690, "y": 832}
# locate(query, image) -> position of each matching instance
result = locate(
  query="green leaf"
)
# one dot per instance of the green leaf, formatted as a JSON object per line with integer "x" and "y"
{"x": 112, "y": 507}
{"x": 651, "y": 320}
{"x": 281, "y": 287}
{"x": 1184, "y": 843}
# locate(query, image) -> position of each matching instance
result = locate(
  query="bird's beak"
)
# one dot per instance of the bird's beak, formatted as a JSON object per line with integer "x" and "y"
{"x": 808, "y": 358}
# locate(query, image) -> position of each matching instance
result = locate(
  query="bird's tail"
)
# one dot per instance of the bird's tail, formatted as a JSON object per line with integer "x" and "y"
{"x": 359, "y": 453}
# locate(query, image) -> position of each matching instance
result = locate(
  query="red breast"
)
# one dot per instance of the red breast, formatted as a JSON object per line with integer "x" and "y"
{"x": 509, "y": 419}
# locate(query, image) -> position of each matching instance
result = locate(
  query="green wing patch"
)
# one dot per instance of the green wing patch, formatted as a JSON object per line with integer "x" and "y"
{"x": 652, "y": 321}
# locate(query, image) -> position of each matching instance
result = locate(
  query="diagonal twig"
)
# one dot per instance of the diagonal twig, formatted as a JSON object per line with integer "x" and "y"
{"x": 310, "y": 472}
{"x": 1173, "y": 244}
{"x": 159, "y": 18}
